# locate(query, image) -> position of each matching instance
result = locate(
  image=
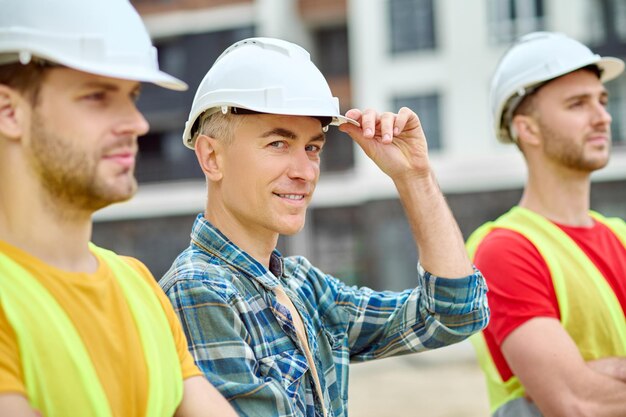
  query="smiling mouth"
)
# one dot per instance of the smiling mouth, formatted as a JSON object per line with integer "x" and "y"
{"x": 295, "y": 197}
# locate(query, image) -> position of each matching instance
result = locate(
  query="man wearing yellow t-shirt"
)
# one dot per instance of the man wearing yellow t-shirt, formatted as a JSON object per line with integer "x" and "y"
{"x": 83, "y": 331}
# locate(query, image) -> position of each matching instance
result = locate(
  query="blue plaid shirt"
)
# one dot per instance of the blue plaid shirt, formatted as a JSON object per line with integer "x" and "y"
{"x": 245, "y": 341}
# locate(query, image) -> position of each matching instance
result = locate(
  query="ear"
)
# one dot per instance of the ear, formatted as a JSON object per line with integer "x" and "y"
{"x": 12, "y": 111}
{"x": 526, "y": 129}
{"x": 208, "y": 151}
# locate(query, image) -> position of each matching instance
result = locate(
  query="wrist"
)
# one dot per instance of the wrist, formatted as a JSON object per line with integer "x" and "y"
{"x": 423, "y": 182}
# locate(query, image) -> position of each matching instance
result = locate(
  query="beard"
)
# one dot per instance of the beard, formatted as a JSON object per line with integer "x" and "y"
{"x": 69, "y": 174}
{"x": 571, "y": 154}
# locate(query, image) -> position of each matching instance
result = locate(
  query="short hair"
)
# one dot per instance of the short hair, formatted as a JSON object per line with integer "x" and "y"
{"x": 218, "y": 125}
{"x": 26, "y": 79}
{"x": 525, "y": 107}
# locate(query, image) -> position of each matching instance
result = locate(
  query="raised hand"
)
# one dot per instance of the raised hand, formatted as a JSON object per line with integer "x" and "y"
{"x": 395, "y": 142}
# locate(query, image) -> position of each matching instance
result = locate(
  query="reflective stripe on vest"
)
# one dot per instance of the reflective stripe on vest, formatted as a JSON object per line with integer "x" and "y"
{"x": 59, "y": 377}
{"x": 580, "y": 289}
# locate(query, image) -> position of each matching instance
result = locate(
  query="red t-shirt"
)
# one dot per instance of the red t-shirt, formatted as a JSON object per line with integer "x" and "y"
{"x": 520, "y": 286}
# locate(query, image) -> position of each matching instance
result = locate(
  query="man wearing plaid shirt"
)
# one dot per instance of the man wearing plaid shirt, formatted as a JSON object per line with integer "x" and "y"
{"x": 275, "y": 335}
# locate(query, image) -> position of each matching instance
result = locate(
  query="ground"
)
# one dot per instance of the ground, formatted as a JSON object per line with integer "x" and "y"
{"x": 442, "y": 383}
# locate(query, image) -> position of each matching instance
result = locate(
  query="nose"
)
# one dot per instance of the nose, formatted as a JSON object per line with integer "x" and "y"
{"x": 602, "y": 115}
{"x": 302, "y": 167}
{"x": 133, "y": 122}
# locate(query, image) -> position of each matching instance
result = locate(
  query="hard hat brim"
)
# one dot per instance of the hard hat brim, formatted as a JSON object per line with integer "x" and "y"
{"x": 611, "y": 68}
{"x": 339, "y": 120}
{"x": 123, "y": 72}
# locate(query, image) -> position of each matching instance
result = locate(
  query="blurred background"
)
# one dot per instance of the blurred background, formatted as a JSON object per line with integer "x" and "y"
{"x": 434, "y": 56}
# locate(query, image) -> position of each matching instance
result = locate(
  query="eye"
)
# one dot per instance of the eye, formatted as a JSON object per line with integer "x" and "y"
{"x": 313, "y": 148}
{"x": 95, "y": 96}
{"x": 576, "y": 104}
{"x": 279, "y": 144}
{"x": 134, "y": 96}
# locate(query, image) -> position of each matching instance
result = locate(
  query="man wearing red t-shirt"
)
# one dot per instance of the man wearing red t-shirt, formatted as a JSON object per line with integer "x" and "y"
{"x": 556, "y": 343}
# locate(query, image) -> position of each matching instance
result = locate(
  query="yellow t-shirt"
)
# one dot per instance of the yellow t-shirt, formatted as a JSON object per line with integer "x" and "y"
{"x": 97, "y": 307}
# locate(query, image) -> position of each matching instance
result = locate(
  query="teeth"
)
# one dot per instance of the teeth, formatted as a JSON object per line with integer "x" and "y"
{"x": 292, "y": 196}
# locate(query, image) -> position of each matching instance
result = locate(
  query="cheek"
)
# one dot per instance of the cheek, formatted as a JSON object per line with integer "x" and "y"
{"x": 570, "y": 121}
{"x": 245, "y": 176}
{"x": 317, "y": 168}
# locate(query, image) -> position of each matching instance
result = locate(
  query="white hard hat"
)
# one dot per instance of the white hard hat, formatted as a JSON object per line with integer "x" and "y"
{"x": 101, "y": 37}
{"x": 534, "y": 59}
{"x": 264, "y": 75}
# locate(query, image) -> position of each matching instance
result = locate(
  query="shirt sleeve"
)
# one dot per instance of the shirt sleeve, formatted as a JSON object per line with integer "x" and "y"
{"x": 224, "y": 355}
{"x": 187, "y": 364}
{"x": 520, "y": 287}
{"x": 437, "y": 312}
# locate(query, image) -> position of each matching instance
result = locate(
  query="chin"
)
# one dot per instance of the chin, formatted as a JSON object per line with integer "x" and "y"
{"x": 121, "y": 198}
{"x": 103, "y": 198}
{"x": 291, "y": 229}
{"x": 598, "y": 163}
{"x": 123, "y": 190}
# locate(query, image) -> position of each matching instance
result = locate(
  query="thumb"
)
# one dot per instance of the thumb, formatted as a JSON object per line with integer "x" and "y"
{"x": 355, "y": 132}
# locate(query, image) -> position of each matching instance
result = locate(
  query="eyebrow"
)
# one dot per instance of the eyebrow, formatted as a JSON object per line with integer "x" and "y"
{"x": 100, "y": 84}
{"x": 603, "y": 94}
{"x": 321, "y": 138}
{"x": 288, "y": 134}
{"x": 110, "y": 86}
{"x": 279, "y": 131}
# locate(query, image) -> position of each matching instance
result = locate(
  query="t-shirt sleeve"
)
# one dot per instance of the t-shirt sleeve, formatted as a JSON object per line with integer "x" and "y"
{"x": 11, "y": 379}
{"x": 187, "y": 364}
{"x": 520, "y": 287}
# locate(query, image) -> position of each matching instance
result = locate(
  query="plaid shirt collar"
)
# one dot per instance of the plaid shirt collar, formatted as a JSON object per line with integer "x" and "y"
{"x": 208, "y": 238}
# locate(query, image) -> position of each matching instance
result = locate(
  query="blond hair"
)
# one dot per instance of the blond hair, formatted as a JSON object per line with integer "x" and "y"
{"x": 218, "y": 125}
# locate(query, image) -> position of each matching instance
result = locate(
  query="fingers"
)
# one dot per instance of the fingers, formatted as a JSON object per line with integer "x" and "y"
{"x": 354, "y": 131}
{"x": 383, "y": 126}
{"x": 387, "y": 123}
{"x": 368, "y": 123}
{"x": 404, "y": 116}
{"x": 354, "y": 114}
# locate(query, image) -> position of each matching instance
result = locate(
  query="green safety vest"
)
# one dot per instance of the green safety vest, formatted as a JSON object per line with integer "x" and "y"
{"x": 59, "y": 377}
{"x": 590, "y": 312}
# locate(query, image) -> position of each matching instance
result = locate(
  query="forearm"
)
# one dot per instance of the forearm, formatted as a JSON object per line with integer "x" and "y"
{"x": 593, "y": 394}
{"x": 439, "y": 241}
{"x": 438, "y": 312}
{"x": 607, "y": 399}
{"x": 556, "y": 377}
{"x": 603, "y": 392}
{"x": 614, "y": 367}
{"x": 396, "y": 143}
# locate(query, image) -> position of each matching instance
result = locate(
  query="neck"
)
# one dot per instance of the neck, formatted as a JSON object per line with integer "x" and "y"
{"x": 53, "y": 232}
{"x": 563, "y": 198}
{"x": 255, "y": 241}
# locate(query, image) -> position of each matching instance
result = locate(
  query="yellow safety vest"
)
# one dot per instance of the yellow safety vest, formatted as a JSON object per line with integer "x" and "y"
{"x": 590, "y": 312}
{"x": 59, "y": 377}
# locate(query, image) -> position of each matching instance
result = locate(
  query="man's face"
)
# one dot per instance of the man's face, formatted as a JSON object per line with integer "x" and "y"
{"x": 270, "y": 170}
{"x": 573, "y": 121}
{"x": 83, "y": 138}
